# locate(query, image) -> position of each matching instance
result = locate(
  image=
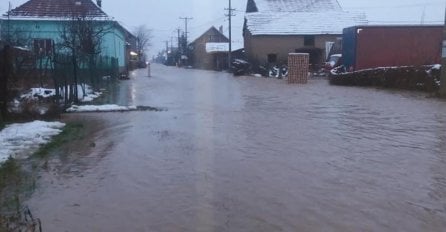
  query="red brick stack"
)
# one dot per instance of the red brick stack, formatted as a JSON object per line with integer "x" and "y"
{"x": 298, "y": 65}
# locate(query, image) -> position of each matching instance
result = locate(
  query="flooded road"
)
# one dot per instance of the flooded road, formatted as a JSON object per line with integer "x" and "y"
{"x": 252, "y": 154}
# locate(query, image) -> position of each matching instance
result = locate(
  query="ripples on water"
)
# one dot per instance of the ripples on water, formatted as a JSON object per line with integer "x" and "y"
{"x": 253, "y": 154}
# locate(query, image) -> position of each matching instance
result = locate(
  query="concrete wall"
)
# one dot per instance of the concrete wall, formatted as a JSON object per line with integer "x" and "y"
{"x": 258, "y": 47}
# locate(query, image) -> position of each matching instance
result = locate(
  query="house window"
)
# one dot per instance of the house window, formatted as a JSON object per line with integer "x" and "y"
{"x": 309, "y": 40}
{"x": 272, "y": 58}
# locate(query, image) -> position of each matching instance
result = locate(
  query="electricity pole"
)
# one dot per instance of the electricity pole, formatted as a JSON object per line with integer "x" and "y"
{"x": 178, "y": 31}
{"x": 167, "y": 47}
{"x": 185, "y": 52}
{"x": 185, "y": 26}
{"x": 230, "y": 14}
{"x": 443, "y": 64}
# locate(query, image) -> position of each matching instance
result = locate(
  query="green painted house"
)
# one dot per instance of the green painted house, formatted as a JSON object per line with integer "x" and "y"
{"x": 39, "y": 23}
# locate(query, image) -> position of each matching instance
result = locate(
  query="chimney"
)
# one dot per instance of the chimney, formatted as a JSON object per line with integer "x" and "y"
{"x": 220, "y": 29}
{"x": 99, "y": 3}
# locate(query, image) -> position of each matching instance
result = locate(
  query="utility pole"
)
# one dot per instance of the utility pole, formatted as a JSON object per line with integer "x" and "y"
{"x": 186, "y": 19}
{"x": 443, "y": 63}
{"x": 185, "y": 37}
{"x": 230, "y": 14}
{"x": 179, "y": 50}
{"x": 179, "y": 40}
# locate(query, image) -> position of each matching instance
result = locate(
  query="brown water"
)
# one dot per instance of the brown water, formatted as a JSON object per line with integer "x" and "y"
{"x": 253, "y": 154}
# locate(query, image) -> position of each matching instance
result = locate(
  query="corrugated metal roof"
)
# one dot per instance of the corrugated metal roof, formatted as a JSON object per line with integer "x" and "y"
{"x": 302, "y": 23}
{"x": 57, "y": 9}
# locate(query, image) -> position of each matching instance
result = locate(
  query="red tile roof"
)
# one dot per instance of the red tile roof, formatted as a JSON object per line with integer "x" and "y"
{"x": 58, "y": 9}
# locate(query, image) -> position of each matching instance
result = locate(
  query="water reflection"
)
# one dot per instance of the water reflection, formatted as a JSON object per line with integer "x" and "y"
{"x": 254, "y": 154}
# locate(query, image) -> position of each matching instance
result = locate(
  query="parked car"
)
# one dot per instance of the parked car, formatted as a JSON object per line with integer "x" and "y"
{"x": 240, "y": 67}
{"x": 333, "y": 61}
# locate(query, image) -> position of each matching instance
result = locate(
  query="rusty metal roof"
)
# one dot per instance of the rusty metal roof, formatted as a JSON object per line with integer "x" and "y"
{"x": 57, "y": 9}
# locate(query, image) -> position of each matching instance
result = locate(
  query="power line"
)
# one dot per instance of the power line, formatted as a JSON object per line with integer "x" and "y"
{"x": 229, "y": 15}
{"x": 208, "y": 23}
{"x": 186, "y": 19}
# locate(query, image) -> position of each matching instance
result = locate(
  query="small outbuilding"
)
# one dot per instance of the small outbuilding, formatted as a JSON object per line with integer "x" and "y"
{"x": 210, "y": 50}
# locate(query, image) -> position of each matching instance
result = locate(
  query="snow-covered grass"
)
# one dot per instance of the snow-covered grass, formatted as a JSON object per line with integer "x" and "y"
{"x": 19, "y": 138}
{"x": 99, "y": 108}
{"x": 36, "y": 93}
{"x": 39, "y": 92}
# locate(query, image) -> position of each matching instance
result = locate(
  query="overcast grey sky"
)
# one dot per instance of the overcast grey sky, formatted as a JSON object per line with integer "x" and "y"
{"x": 163, "y": 16}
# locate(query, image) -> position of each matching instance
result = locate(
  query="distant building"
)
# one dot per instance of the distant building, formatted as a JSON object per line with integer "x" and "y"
{"x": 210, "y": 50}
{"x": 275, "y": 28}
{"x": 41, "y": 22}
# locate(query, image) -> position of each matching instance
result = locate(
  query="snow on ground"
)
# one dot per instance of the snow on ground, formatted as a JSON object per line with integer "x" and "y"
{"x": 36, "y": 93}
{"x": 16, "y": 139}
{"x": 39, "y": 92}
{"x": 99, "y": 108}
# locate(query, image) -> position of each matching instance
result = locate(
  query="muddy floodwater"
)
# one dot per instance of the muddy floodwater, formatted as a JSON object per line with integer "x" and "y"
{"x": 251, "y": 154}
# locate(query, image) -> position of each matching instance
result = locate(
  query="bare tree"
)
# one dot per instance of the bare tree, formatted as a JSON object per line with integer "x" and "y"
{"x": 144, "y": 37}
{"x": 6, "y": 69}
{"x": 81, "y": 38}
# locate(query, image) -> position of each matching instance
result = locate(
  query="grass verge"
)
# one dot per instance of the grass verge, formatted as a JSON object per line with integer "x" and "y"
{"x": 18, "y": 177}
{"x": 71, "y": 132}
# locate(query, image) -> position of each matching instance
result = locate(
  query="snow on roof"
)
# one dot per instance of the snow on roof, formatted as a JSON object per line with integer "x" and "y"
{"x": 217, "y": 47}
{"x": 297, "y": 5}
{"x": 302, "y": 23}
{"x": 57, "y": 9}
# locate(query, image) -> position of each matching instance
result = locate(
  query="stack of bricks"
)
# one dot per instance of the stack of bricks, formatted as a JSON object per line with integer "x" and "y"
{"x": 298, "y": 66}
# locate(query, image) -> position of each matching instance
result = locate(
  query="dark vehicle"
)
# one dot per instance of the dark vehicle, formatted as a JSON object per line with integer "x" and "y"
{"x": 365, "y": 47}
{"x": 240, "y": 67}
{"x": 142, "y": 64}
{"x": 333, "y": 61}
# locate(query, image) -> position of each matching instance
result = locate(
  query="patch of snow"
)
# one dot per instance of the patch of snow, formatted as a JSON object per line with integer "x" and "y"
{"x": 258, "y": 75}
{"x": 297, "y": 6}
{"x": 36, "y": 93}
{"x": 302, "y": 23}
{"x": 100, "y": 108}
{"x": 39, "y": 92}
{"x": 91, "y": 96}
{"x": 20, "y": 138}
{"x": 437, "y": 67}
